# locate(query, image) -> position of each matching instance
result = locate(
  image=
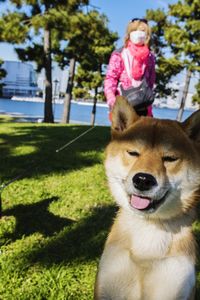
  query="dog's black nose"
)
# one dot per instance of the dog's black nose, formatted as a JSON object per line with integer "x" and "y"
{"x": 144, "y": 181}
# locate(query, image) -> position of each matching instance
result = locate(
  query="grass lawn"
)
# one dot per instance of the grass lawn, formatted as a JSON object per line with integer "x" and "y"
{"x": 56, "y": 218}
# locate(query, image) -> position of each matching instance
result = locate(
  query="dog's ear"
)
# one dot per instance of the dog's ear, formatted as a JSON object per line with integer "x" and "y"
{"x": 192, "y": 126}
{"x": 123, "y": 115}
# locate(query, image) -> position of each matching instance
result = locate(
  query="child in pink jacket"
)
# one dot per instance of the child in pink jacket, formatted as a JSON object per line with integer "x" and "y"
{"x": 129, "y": 64}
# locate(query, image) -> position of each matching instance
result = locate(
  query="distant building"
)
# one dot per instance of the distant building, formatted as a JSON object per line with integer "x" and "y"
{"x": 20, "y": 79}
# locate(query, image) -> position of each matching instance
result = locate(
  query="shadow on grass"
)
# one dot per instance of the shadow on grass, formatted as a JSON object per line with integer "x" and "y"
{"x": 69, "y": 240}
{"x": 83, "y": 241}
{"x": 44, "y": 140}
{"x": 36, "y": 217}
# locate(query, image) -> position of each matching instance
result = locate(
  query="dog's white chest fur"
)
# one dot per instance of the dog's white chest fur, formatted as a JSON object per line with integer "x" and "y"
{"x": 142, "y": 269}
{"x": 148, "y": 241}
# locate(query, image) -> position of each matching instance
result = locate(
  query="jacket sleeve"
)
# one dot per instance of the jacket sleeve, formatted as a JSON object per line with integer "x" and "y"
{"x": 115, "y": 68}
{"x": 152, "y": 72}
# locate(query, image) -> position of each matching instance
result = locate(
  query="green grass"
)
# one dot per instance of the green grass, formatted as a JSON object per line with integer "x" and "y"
{"x": 56, "y": 218}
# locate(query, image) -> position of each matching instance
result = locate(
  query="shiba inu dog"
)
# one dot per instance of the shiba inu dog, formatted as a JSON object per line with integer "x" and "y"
{"x": 153, "y": 170}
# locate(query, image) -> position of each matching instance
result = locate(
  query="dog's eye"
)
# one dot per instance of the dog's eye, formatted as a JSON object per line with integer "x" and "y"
{"x": 133, "y": 153}
{"x": 169, "y": 158}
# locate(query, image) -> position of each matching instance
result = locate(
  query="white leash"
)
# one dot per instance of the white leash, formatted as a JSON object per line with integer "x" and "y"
{"x": 72, "y": 141}
{"x": 4, "y": 185}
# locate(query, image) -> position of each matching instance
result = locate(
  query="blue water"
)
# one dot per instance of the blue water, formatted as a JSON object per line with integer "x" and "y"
{"x": 79, "y": 113}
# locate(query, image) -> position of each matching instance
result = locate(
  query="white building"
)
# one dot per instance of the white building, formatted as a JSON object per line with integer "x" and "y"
{"x": 59, "y": 80}
{"x": 20, "y": 79}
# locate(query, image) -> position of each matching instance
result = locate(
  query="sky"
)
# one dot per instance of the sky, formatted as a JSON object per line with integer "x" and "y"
{"x": 119, "y": 13}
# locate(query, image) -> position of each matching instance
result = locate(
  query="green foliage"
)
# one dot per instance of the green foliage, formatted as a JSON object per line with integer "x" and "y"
{"x": 85, "y": 36}
{"x": 12, "y": 28}
{"x": 196, "y": 96}
{"x": 167, "y": 65}
{"x": 184, "y": 32}
{"x": 31, "y": 18}
{"x": 43, "y": 23}
{"x": 184, "y": 35}
{"x": 32, "y": 53}
{"x": 91, "y": 45}
{"x": 165, "y": 70}
{"x": 86, "y": 82}
{"x": 90, "y": 41}
{"x": 159, "y": 19}
{"x": 175, "y": 41}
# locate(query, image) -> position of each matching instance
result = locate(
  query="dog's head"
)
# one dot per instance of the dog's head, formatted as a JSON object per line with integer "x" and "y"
{"x": 152, "y": 165}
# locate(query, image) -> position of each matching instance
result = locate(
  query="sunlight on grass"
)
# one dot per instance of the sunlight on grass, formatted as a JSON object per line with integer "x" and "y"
{"x": 23, "y": 150}
{"x": 7, "y": 226}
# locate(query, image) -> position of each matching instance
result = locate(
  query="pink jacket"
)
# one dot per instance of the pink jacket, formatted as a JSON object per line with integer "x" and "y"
{"x": 116, "y": 74}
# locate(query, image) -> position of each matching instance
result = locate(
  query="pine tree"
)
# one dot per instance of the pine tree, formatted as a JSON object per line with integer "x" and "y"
{"x": 168, "y": 64}
{"x": 87, "y": 86}
{"x": 11, "y": 30}
{"x": 184, "y": 38}
{"x": 90, "y": 44}
{"x": 176, "y": 42}
{"x": 43, "y": 17}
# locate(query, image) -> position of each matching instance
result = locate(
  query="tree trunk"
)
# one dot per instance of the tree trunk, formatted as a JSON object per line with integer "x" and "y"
{"x": 184, "y": 96}
{"x": 68, "y": 95}
{"x": 48, "y": 110}
{"x": 94, "y": 107}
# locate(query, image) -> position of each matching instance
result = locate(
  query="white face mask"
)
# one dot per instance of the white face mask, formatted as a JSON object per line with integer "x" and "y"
{"x": 138, "y": 37}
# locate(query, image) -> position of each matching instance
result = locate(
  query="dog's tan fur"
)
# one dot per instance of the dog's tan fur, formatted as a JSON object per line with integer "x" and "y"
{"x": 151, "y": 255}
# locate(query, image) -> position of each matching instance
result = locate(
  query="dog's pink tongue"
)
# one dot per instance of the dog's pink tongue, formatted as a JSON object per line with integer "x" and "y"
{"x": 139, "y": 203}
